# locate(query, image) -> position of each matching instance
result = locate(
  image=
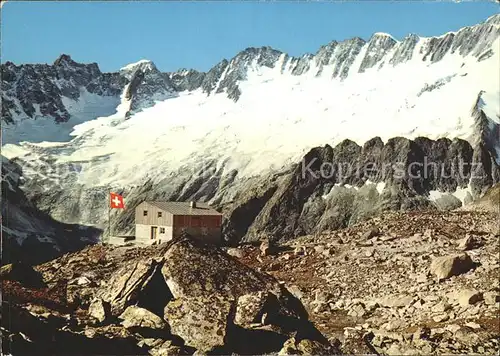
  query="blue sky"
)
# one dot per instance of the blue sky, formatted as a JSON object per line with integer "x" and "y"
{"x": 199, "y": 34}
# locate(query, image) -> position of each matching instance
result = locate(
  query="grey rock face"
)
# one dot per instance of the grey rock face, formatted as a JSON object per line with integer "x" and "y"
{"x": 147, "y": 85}
{"x": 488, "y": 132}
{"x": 36, "y": 90}
{"x": 29, "y": 334}
{"x": 229, "y": 279}
{"x": 325, "y": 53}
{"x": 377, "y": 48}
{"x": 217, "y": 298}
{"x": 22, "y": 273}
{"x": 213, "y": 75}
{"x": 241, "y": 217}
{"x": 404, "y": 50}
{"x": 186, "y": 79}
{"x": 124, "y": 288}
{"x": 482, "y": 167}
{"x": 99, "y": 310}
{"x": 345, "y": 55}
{"x": 193, "y": 322}
{"x": 202, "y": 323}
{"x": 437, "y": 47}
{"x": 239, "y": 65}
{"x": 75, "y": 75}
{"x": 476, "y": 39}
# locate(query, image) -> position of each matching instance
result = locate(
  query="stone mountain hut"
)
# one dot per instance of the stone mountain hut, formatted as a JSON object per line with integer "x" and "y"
{"x": 157, "y": 221}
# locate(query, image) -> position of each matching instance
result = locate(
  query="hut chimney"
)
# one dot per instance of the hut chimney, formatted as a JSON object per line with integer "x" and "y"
{"x": 192, "y": 204}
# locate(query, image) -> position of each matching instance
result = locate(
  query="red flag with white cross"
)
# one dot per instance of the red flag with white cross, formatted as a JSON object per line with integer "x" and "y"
{"x": 116, "y": 201}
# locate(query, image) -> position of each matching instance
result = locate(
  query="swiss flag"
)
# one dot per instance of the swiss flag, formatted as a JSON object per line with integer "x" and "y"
{"x": 116, "y": 201}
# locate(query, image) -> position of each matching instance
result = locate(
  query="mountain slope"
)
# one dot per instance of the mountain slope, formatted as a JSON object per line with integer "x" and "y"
{"x": 30, "y": 235}
{"x": 210, "y": 136}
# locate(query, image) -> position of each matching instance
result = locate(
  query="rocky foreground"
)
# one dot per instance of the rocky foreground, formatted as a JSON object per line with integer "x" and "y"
{"x": 413, "y": 283}
{"x": 177, "y": 298}
{"x": 401, "y": 283}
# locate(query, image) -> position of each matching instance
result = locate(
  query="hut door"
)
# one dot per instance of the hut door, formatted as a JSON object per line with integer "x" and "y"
{"x": 154, "y": 230}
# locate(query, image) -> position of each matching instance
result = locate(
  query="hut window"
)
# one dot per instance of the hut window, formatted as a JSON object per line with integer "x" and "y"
{"x": 145, "y": 213}
{"x": 159, "y": 214}
{"x": 162, "y": 229}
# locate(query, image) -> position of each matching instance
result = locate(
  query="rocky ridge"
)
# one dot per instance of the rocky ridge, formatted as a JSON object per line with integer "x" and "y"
{"x": 32, "y": 91}
{"x": 335, "y": 187}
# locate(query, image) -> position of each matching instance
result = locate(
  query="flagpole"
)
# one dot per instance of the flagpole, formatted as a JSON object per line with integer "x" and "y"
{"x": 109, "y": 215}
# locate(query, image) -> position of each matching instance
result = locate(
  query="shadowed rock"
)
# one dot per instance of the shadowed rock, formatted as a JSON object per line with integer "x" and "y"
{"x": 22, "y": 273}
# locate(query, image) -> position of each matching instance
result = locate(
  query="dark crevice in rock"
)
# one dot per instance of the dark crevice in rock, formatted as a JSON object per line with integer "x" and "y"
{"x": 155, "y": 295}
{"x": 243, "y": 341}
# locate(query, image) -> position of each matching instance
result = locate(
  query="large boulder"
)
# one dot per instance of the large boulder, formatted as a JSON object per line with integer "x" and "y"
{"x": 194, "y": 270}
{"x": 447, "y": 266}
{"x": 210, "y": 301}
{"x": 201, "y": 322}
{"x": 237, "y": 302}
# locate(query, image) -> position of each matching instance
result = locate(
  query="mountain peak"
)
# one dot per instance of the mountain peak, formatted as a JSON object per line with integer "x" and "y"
{"x": 143, "y": 64}
{"x": 383, "y": 35}
{"x": 495, "y": 19}
{"x": 64, "y": 59}
{"x": 254, "y": 52}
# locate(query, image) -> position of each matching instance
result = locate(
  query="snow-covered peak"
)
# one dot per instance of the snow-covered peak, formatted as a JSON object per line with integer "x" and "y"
{"x": 143, "y": 64}
{"x": 383, "y": 34}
